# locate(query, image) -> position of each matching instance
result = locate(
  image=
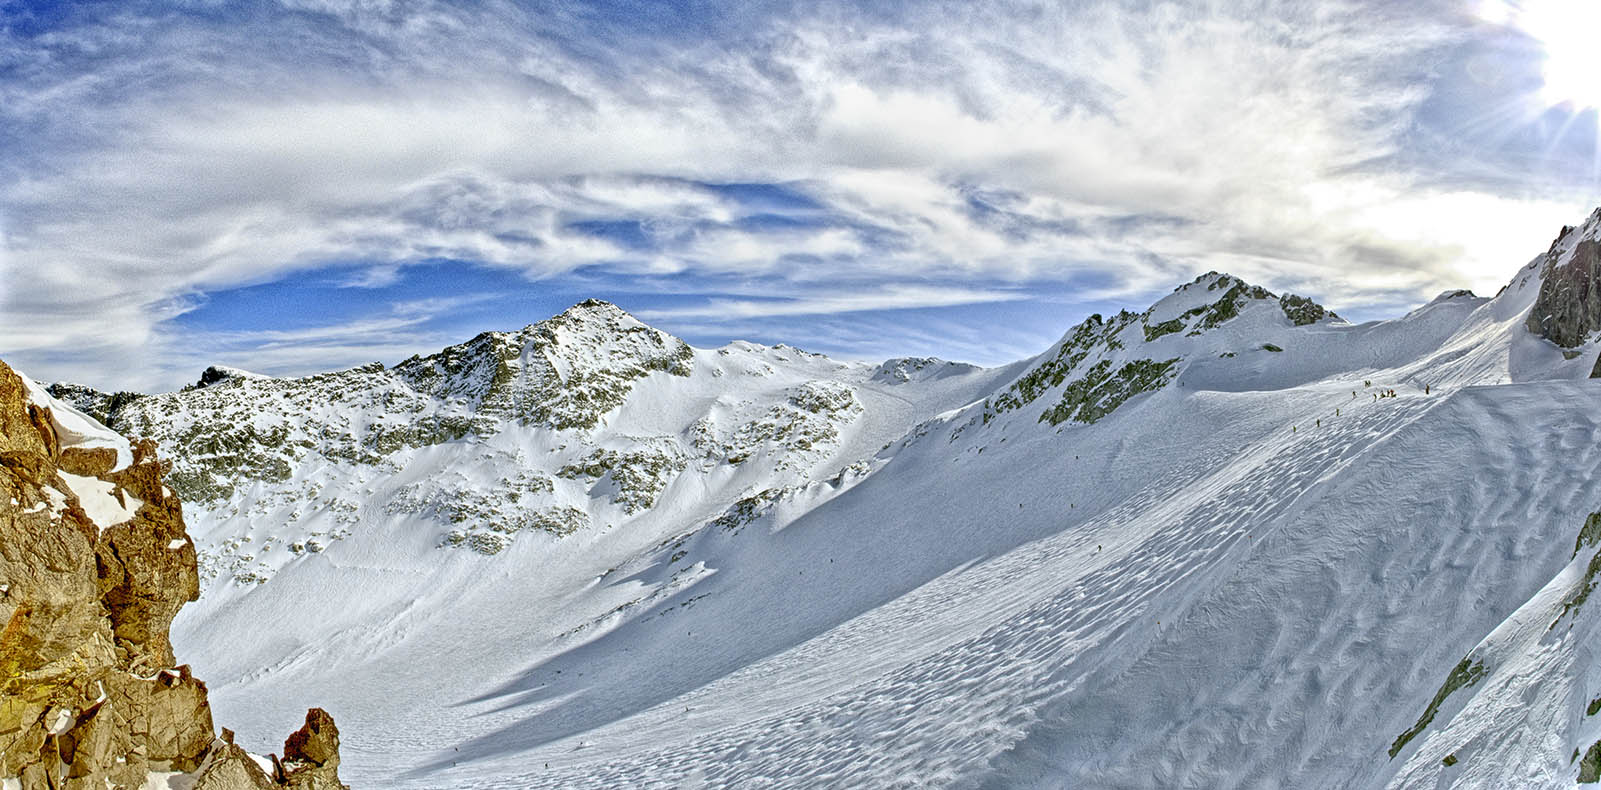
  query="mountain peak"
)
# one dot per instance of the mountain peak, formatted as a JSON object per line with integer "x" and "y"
{"x": 566, "y": 371}
{"x": 1216, "y": 297}
{"x": 595, "y": 308}
{"x": 220, "y": 373}
{"x": 1455, "y": 293}
{"x": 1566, "y": 238}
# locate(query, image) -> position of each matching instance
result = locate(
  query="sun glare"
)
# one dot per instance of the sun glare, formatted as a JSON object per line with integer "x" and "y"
{"x": 1566, "y": 30}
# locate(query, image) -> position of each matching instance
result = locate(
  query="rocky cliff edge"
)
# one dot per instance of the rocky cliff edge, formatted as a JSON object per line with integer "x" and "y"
{"x": 94, "y": 565}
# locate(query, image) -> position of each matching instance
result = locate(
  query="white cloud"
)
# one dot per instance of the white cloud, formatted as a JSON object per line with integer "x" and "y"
{"x": 892, "y": 297}
{"x": 1011, "y": 144}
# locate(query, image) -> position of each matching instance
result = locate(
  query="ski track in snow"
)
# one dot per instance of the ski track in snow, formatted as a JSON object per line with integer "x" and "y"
{"x": 1066, "y": 617}
{"x": 1056, "y": 631}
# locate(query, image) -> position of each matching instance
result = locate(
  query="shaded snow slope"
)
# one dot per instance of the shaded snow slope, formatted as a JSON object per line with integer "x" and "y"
{"x": 1230, "y": 541}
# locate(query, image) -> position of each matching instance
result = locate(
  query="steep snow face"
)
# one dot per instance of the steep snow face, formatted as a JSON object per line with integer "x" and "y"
{"x": 1230, "y": 541}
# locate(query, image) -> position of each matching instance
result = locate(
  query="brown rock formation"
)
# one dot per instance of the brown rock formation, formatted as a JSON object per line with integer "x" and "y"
{"x": 229, "y": 767}
{"x": 311, "y": 754}
{"x": 90, "y": 693}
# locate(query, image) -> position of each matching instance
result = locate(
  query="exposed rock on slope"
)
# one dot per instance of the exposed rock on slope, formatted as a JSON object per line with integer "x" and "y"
{"x": 1102, "y": 363}
{"x": 1568, "y": 310}
{"x": 547, "y": 374}
{"x": 94, "y": 565}
{"x": 569, "y": 427}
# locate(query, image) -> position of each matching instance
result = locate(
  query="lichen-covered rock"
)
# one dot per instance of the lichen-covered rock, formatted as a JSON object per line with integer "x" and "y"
{"x": 94, "y": 565}
{"x": 1092, "y": 390}
{"x": 1303, "y": 311}
{"x": 1101, "y": 390}
{"x": 1086, "y": 338}
{"x": 1590, "y": 766}
{"x": 21, "y": 429}
{"x": 1466, "y": 673}
{"x": 637, "y": 476}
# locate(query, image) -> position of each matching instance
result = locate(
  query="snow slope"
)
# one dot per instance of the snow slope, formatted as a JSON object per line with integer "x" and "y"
{"x": 1231, "y": 541}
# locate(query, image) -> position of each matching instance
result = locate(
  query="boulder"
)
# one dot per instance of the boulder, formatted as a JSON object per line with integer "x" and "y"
{"x": 231, "y": 768}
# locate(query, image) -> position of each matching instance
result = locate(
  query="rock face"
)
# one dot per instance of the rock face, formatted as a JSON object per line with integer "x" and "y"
{"x": 311, "y": 754}
{"x": 1568, "y": 310}
{"x": 94, "y": 565}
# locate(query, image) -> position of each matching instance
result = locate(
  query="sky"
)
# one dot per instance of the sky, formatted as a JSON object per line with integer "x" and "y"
{"x": 305, "y": 185}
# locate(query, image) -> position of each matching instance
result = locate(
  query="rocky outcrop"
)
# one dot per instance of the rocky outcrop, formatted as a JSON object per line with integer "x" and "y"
{"x": 1568, "y": 309}
{"x": 311, "y": 754}
{"x": 94, "y": 565}
{"x": 565, "y": 372}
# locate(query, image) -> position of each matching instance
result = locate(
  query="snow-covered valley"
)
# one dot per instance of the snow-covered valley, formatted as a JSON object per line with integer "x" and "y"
{"x": 1230, "y": 541}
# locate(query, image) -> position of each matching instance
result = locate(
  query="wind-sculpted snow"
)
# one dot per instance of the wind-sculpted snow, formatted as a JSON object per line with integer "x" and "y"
{"x": 1527, "y": 712}
{"x": 1229, "y": 541}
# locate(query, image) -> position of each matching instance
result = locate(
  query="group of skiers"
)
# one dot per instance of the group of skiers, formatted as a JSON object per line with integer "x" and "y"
{"x": 1386, "y": 393}
{"x": 1390, "y": 393}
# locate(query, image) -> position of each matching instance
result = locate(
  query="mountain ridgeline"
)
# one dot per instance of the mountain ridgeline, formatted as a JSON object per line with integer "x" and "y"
{"x": 1261, "y": 545}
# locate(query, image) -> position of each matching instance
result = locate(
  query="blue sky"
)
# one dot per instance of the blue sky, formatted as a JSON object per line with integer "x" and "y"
{"x": 311, "y": 184}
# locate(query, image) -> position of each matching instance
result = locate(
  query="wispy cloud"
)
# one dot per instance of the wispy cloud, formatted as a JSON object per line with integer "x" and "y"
{"x": 840, "y": 157}
{"x": 892, "y": 297}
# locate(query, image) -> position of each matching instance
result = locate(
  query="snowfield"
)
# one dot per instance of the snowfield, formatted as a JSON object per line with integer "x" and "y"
{"x": 1199, "y": 546}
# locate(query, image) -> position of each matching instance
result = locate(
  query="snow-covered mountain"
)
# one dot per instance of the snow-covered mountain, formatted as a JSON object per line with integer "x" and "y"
{"x": 1232, "y": 540}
